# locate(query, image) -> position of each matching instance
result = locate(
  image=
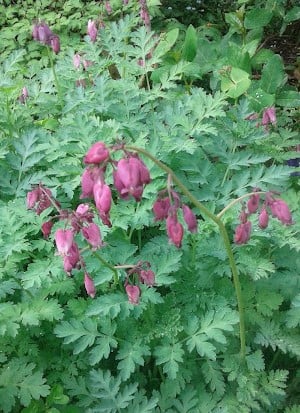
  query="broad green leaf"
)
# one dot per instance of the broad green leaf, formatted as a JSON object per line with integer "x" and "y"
{"x": 235, "y": 83}
{"x": 189, "y": 48}
{"x": 273, "y": 75}
{"x": 288, "y": 98}
{"x": 256, "y": 18}
{"x": 166, "y": 43}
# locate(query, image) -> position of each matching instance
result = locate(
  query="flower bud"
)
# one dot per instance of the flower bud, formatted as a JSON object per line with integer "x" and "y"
{"x": 253, "y": 203}
{"x": 92, "y": 235}
{"x": 133, "y": 293}
{"x": 82, "y": 209}
{"x": 242, "y": 233}
{"x": 32, "y": 198}
{"x": 63, "y": 240}
{"x": 280, "y": 210}
{"x": 269, "y": 116}
{"x": 89, "y": 177}
{"x": 76, "y": 60}
{"x": 46, "y": 228}
{"x": 263, "y": 219}
{"x": 89, "y": 285}
{"x": 147, "y": 277}
{"x": 92, "y": 30}
{"x": 161, "y": 208}
{"x": 190, "y": 218}
{"x": 96, "y": 154}
{"x": 174, "y": 230}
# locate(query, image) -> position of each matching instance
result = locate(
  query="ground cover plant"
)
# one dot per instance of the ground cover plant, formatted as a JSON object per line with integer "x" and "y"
{"x": 149, "y": 211}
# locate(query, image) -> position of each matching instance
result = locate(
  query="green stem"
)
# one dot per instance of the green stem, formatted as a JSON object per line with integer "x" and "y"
{"x": 108, "y": 265}
{"x": 223, "y": 232}
{"x": 235, "y": 201}
{"x": 50, "y": 55}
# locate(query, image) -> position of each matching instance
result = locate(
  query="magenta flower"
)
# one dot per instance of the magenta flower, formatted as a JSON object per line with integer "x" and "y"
{"x": 76, "y": 60}
{"x": 147, "y": 277}
{"x": 55, "y": 44}
{"x": 280, "y": 210}
{"x": 46, "y": 228}
{"x": 92, "y": 30}
{"x": 92, "y": 234}
{"x": 190, "y": 218}
{"x": 82, "y": 209}
{"x": 96, "y": 154}
{"x": 242, "y": 233}
{"x": 130, "y": 177}
{"x": 161, "y": 208}
{"x": 88, "y": 179}
{"x": 89, "y": 285}
{"x": 64, "y": 240}
{"x": 253, "y": 203}
{"x": 133, "y": 293}
{"x": 72, "y": 260}
{"x": 269, "y": 116}
{"x": 174, "y": 230}
{"x": 32, "y": 198}
{"x": 102, "y": 197}
{"x": 263, "y": 218}
{"x": 39, "y": 199}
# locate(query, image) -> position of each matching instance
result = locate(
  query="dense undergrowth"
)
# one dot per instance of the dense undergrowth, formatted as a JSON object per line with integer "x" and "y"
{"x": 213, "y": 116}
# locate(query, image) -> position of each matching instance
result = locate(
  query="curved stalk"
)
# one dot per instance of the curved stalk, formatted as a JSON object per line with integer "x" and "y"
{"x": 237, "y": 200}
{"x": 224, "y": 235}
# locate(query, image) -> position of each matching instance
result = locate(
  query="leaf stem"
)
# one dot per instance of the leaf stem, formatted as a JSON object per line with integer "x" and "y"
{"x": 108, "y": 265}
{"x": 223, "y": 232}
{"x": 235, "y": 201}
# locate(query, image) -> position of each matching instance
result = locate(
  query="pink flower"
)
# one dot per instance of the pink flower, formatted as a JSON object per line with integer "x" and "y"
{"x": 190, "y": 218}
{"x": 88, "y": 179}
{"x": 24, "y": 95}
{"x": 133, "y": 292}
{"x": 72, "y": 260}
{"x": 174, "y": 230}
{"x": 55, "y": 44}
{"x": 42, "y": 33}
{"x": 32, "y": 198}
{"x": 147, "y": 277}
{"x": 130, "y": 177}
{"x": 64, "y": 240}
{"x": 242, "y": 233}
{"x": 39, "y": 199}
{"x": 108, "y": 7}
{"x": 280, "y": 210}
{"x": 263, "y": 219}
{"x": 102, "y": 197}
{"x": 92, "y": 30}
{"x": 46, "y": 228}
{"x": 89, "y": 285}
{"x": 92, "y": 235}
{"x": 76, "y": 60}
{"x": 269, "y": 116}
{"x": 82, "y": 209}
{"x": 253, "y": 203}
{"x": 96, "y": 154}
{"x": 161, "y": 208}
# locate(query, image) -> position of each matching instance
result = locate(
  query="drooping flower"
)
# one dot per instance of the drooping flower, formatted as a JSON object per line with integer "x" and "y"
{"x": 92, "y": 234}
{"x": 72, "y": 259}
{"x": 161, "y": 208}
{"x": 89, "y": 285}
{"x": 130, "y": 177}
{"x": 24, "y": 95}
{"x": 39, "y": 199}
{"x": 88, "y": 179}
{"x": 55, "y": 44}
{"x": 46, "y": 228}
{"x": 76, "y": 60}
{"x": 64, "y": 239}
{"x": 96, "y": 154}
{"x": 147, "y": 277}
{"x": 263, "y": 218}
{"x": 92, "y": 30}
{"x": 174, "y": 229}
{"x": 269, "y": 116}
{"x": 32, "y": 198}
{"x": 253, "y": 203}
{"x": 190, "y": 218}
{"x": 102, "y": 197}
{"x": 242, "y": 233}
{"x": 42, "y": 33}
{"x": 133, "y": 293}
{"x": 280, "y": 210}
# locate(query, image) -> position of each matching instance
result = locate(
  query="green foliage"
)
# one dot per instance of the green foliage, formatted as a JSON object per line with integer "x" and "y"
{"x": 187, "y": 96}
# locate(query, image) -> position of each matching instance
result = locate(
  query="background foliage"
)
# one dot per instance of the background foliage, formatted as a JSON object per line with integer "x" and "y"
{"x": 189, "y": 104}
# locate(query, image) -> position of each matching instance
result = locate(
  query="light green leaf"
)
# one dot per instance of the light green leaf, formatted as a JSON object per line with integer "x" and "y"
{"x": 235, "y": 83}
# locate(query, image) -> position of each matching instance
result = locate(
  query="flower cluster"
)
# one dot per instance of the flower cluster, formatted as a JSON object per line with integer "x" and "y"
{"x": 42, "y": 33}
{"x": 140, "y": 273}
{"x": 166, "y": 208}
{"x": 130, "y": 176}
{"x": 264, "y": 207}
